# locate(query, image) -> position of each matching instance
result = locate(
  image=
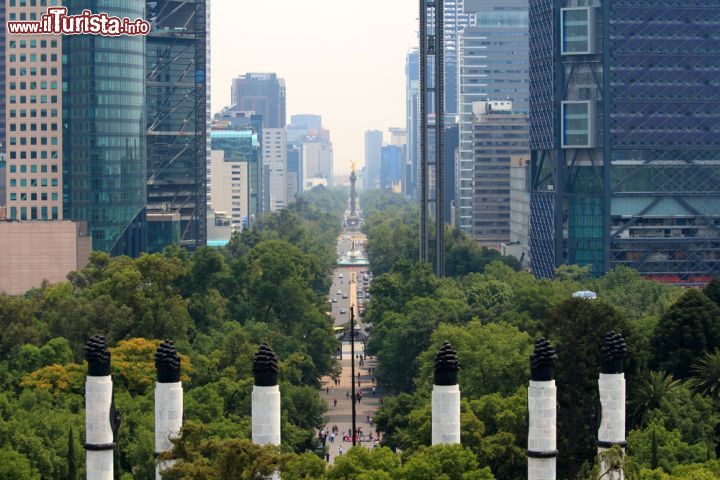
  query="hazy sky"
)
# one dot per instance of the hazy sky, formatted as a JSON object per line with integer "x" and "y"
{"x": 338, "y": 60}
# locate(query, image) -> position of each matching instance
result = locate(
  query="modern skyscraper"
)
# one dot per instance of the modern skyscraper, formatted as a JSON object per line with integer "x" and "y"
{"x": 373, "y": 144}
{"x": 3, "y": 146}
{"x": 455, "y": 20}
{"x": 392, "y": 161}
{"x": 274, "y": 153}
{"x": 262, "y": 93}
{"x": 178, "y": 119}
{"x": 104, "y": 149}
{"x": 33, "y": 139}
{"x": 625, "y": 150}
{"x": 493, "y": 63}
{"x": 37, "y": 244}
{"x": 412, "y": 125}
{"x": 500, "y": 137}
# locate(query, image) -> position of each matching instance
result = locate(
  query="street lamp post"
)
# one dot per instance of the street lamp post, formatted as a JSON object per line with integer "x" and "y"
{"x": 352, "y": 370}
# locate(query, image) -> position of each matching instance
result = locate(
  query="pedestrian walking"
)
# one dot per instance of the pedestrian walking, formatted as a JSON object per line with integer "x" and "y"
{"x": 332, "y": 438}
{"x": 335, "y": 402}
{"x": 341, "y": 451}
{"x": 327, "y": 390}
{"x": 327, "y": 457}
{"x": 347, "y": 395}
{"x": 373, "y": 390}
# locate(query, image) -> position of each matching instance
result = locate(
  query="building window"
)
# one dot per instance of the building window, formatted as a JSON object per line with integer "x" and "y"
{"x": 578, "y": 124}
{"x": 578, "y": 31}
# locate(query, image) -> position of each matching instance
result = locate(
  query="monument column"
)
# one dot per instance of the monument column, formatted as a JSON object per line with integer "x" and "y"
{"x": 542, "y": 412}
{"x": 168, "y": 402}
{"x": 99, "y": 441}
{"x": 266, "y": 398}
{"x": 446, "y": 397}
{"x": 612, "y": 401}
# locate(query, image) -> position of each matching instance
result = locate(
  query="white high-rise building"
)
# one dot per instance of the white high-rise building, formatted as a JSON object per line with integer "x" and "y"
{"x": 274, "y": 154}
{"x": 229, "y": 184}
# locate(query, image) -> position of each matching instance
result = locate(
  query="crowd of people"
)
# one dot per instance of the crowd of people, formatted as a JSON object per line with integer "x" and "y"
{"x": 332, "y": 434}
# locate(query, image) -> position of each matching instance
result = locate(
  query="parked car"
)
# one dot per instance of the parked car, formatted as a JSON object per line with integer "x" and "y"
{"x": 367, "y": 294}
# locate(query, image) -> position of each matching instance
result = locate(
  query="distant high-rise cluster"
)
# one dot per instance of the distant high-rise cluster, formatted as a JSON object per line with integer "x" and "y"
{"x": 610, "y": 158}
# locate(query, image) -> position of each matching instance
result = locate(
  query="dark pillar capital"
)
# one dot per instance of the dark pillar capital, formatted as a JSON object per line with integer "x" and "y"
{"x": 542, "y": 361}
{"x": 446, "y": 365}
{"x": 167, "y": 363}
{"x": 97, "y": 356}
{"x": 612, "y": 353}
{"x": 265, "y": 367}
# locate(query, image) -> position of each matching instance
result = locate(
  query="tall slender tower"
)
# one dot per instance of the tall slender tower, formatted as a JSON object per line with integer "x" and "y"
{"x": 446, "y": 397}
{"x": 612, "y": 399}
{"x": 99, "y": 438}
{"x": 168, "y": 401}
{"x": 432, "y": 104}
{"x": 542, "y": 410}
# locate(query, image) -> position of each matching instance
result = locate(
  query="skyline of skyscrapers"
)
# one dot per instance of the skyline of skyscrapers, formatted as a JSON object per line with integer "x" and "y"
{"x": 115, "y": 132}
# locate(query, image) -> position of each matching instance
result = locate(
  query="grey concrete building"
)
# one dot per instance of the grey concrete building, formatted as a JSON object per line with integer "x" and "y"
{"x": 493, "y": 66}
{"x": 500, "y": 138}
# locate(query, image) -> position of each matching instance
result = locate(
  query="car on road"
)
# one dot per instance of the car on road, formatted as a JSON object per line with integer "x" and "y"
{"x": 334, "y": 300}
{"x": 345, "y": 295}
{"x": 367, "y": 294}
{"x": 339, "y": 292}
{"x": 340, "y": 276}
{"x": 343, "y": 311}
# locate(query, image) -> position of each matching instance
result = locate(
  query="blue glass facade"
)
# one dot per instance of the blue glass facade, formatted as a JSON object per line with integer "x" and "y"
{"x": 104, "y": 157}
{"x": 391, "y": 166}
{"x": 645, "y": 192}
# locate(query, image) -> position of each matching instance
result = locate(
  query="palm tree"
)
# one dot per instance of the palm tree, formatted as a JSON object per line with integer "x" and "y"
{"x": 654, "y": 388}
{"x": 706, "y": 376}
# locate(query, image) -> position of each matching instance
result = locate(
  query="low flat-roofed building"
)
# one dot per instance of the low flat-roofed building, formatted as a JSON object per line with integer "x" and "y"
{"x": 32, "y": 252}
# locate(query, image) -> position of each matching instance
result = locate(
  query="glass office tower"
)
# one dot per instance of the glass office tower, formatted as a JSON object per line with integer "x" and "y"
{"x": 178, "y": 121}
{"x": 104, "y": 154}
{"x": 624, "y": 137}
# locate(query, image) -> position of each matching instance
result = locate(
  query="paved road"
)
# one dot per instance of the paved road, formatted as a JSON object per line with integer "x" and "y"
{"x": 342, "y": 284}
{"x": 341, "y": 414}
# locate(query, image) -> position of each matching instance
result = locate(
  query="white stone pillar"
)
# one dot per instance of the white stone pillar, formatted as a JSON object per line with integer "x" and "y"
{"x": 446, "y": 397}
{"x": 445, "y": 414}
{"x": 99, "y": 441}
{"x": 266, "y": 415}
{"x": 168, "y": 402}
{"x": 542, "y": 414}
{"x": 542, "y": 431}
{"x": 266, "y": 400}
{"x": 611, "y": 385}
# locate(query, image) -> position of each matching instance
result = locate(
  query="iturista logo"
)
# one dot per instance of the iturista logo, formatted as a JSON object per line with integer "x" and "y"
{"x": 57, "y": 22}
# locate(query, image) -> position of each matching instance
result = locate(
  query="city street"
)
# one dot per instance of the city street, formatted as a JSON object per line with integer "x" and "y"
{"x": 340, "y": 413}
